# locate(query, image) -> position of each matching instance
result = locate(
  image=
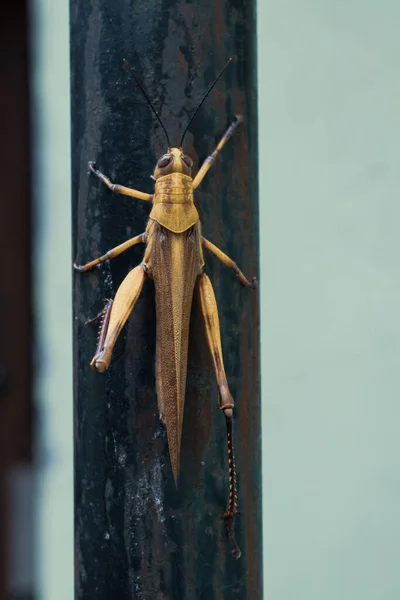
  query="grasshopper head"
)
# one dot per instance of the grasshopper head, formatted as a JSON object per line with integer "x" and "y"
{"x": 174, "y": 161}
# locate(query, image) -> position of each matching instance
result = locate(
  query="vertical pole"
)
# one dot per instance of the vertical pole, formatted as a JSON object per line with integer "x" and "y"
{"x": 137, "y": 536}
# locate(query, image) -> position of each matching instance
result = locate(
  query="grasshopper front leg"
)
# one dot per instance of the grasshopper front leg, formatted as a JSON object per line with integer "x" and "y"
{"x": 209, "y": 312}
{"x": 119, "y": 189}
{"x": 207, "y": 164}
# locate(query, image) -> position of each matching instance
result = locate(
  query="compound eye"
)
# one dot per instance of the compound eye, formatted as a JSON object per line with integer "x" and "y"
{"x": 188, "y": 161}
{"x": 164, "y": 161}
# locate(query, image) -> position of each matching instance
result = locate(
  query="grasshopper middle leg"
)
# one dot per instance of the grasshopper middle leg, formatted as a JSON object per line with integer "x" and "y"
{"x": 228, "y": 262}
{"x": 209, "y": 312}
{"x": 139, "y": 239}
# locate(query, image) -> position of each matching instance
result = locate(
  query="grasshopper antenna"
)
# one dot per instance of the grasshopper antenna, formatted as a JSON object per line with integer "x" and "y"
{"x": 127, "y": 65}
{"x": 204, "y": 97}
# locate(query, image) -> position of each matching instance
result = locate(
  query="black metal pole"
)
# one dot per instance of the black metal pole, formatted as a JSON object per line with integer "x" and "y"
{"x": 136, "y": 536}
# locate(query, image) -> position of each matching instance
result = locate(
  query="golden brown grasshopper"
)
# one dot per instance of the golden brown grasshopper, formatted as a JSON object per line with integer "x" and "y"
{"x": 174, "y": 260}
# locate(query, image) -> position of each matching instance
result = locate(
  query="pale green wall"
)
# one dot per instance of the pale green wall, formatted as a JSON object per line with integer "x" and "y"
{"x": 53, "y": 299}
{"x": 329, "y": 100}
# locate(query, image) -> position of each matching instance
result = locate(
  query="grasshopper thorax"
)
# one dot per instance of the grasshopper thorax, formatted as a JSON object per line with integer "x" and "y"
{"x": 174, "y": 161}
{"x": 173, "y": 206}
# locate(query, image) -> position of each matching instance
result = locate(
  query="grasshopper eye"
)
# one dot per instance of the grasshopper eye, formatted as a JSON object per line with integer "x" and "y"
{"x": 187, "y": 160}
{"x": 164, "y": 161}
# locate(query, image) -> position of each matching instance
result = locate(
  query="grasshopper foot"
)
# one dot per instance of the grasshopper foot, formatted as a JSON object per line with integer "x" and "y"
{"x": 246, "y": 283}
{"x": 80, "y": 268}
{"x": 101, "y": 361}
{"x": 228, "y": 516}
{"x": 254, "y": 283}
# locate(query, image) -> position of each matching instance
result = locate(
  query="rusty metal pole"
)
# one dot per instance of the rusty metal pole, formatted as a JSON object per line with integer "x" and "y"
{"x": 137, "y": 536}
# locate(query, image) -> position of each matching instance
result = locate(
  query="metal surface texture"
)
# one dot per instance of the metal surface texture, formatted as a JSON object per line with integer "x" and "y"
{"x": 136, "y": 535}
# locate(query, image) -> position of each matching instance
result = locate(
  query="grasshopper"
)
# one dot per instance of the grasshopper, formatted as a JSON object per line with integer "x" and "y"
{"x": 174, "y": 259}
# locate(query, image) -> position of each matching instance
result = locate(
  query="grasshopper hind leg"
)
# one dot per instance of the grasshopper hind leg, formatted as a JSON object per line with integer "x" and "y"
{"x": 209, "y": 312}
{"x": 115, "y": 315}
{"x": 104, "y": 318}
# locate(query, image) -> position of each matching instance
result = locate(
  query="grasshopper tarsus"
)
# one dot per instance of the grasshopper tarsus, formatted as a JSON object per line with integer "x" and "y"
{"x": 234, "y": 122}
{"x": 103, "y": 178}
{"x": 253, "y": 283}
{"x": 236, "y": 552}
{"x": 84, "y": 268}
{"x": 80, "y": 268}
{"x": 92, "y": 167}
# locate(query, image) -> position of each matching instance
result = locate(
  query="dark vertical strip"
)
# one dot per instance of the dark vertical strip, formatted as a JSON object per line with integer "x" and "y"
{"x": 15, "y": 268}
{"x": 137, "y": 536}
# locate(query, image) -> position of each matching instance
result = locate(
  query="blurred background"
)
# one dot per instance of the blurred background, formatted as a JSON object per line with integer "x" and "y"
{"x": 329, "y": 92}
{"x": 36, "y": 483}
{"x": 16, "y": 322}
